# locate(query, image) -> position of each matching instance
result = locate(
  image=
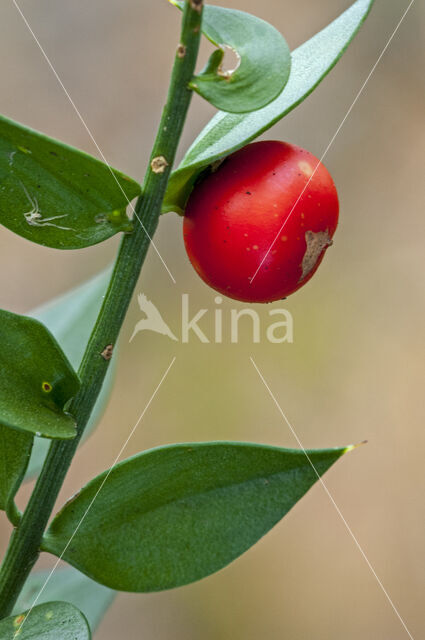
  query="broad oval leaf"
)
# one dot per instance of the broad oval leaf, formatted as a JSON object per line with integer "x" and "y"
{"x": 264, "y": 60}
{"x": 67, "y": 584}
{"x": 173, "y": 515}
{"x": 15, "y": 451}
{"x": 225, "y": 133}
{"x": 36, "y": 379}
{"x": 49, "y": 621}
{"x": 71, "y": 318}
{"x": 56, "y": 195}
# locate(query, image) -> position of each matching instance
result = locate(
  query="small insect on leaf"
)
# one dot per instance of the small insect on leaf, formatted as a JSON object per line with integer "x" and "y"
{"x": 58, "y": 196}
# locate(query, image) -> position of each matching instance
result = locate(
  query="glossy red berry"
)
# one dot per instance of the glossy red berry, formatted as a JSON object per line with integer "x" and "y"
{"x": 257, "y": 228}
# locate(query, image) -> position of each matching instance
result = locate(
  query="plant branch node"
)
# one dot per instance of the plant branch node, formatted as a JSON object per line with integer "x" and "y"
{"x": 159, "y": 164}
{"x": 107, "y": 352}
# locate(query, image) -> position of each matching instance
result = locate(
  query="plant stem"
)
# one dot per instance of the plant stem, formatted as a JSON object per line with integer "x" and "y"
{"x": 24, "y": 546}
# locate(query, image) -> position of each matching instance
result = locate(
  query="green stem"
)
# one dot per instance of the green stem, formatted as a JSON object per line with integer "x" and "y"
{"x": 24, "y": 546}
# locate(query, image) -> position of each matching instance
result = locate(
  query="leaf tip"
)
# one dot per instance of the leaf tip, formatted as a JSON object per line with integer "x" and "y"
{"x": 354, "y": 446}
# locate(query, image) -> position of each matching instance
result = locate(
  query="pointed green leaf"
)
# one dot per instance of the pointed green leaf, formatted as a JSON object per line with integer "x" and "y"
{"x": 36, "y": 379}
{"x": 52, "y": 621}
{"x": 226, "y": 133}
{"x": 15, "y": 451}
{"x": 263, "y": 65}
{"x": 67, "y": 584}
{"x": 173, "y": 515}
{"x": 58, "y": 196}
{"x": 71, "y": 318}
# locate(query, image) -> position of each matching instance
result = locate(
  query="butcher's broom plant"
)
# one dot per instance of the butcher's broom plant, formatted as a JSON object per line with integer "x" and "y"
{"x": 175, "y": 514}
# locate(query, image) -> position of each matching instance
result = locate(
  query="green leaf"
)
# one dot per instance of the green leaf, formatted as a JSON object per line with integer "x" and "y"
{"x": 52, "y": 621}
{"x": 71, "y": 318}
{"x": 58, "y": 196}
{"x": 68, "y": 584}
{"x": 226, "y": 133}
{"x": 173, "y": 515}
{"x": 36, "y": 379}
{"x": 263, "y": 66}
{"x": 15, "y": 451}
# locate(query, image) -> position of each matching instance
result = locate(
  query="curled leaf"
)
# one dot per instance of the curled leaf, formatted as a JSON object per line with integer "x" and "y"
{"x": 263, "y": 60}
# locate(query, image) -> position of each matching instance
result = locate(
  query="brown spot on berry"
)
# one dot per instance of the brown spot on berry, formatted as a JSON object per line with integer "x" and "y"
{"x": 316, "y": 243}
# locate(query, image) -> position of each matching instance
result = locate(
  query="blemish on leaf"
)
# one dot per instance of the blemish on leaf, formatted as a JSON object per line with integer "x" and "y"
{"x": 24, "y": 150}
{"x": 159, "y": 164}
{"x": 316, "y": 243}
{"x": 107, "y": 352}
{"x": 18, "y": 620}
{"x": 49, "y": 615}
{"x": 46, "y": 387}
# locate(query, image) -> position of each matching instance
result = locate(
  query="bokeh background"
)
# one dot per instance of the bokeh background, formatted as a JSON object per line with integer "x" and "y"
{"x": 355, "y": 370}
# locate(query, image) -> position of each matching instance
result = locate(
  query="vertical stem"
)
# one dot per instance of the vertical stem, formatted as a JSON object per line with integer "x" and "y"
{"x": 24, "y": 546}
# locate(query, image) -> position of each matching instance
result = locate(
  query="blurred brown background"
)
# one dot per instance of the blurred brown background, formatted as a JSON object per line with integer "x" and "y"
{"x": 355, "y": 370}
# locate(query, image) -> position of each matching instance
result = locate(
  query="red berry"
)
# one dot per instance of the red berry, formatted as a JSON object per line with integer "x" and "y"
{"x": 257, "y": 228}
